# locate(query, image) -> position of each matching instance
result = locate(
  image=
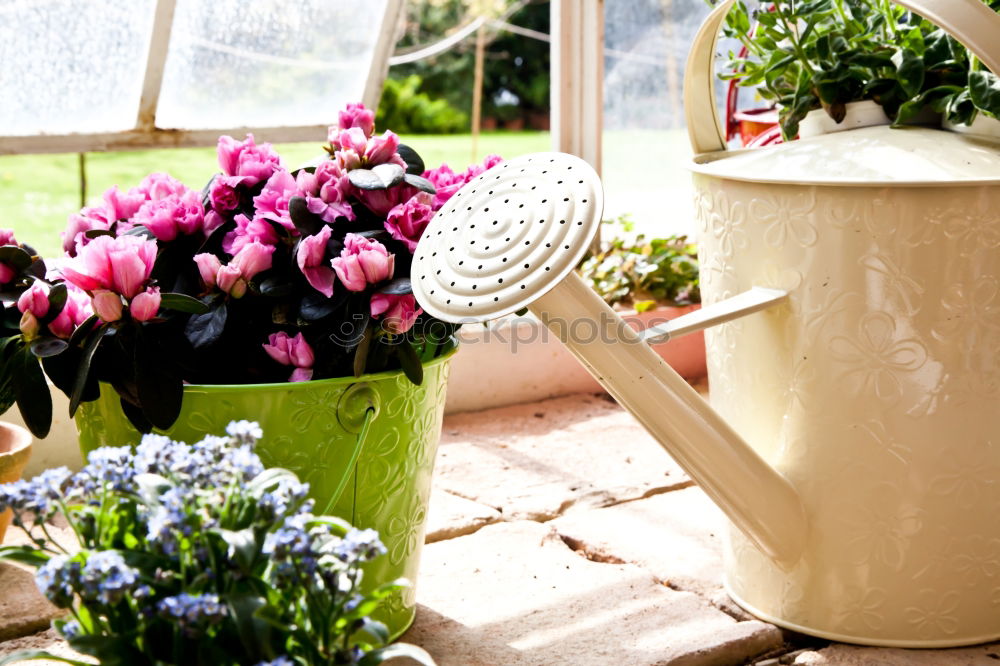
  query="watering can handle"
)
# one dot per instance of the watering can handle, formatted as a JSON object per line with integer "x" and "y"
{"x": 969, "y": 21}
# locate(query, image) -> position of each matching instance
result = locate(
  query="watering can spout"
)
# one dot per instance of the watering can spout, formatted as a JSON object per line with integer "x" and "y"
{"x": 757, "y": 498}
{"x": 511, "y": 238}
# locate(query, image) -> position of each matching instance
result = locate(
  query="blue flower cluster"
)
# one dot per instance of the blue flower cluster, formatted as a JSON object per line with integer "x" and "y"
{"x": 40, "y": 495}
{"x": 192, "y": 518}
{"x": 193, "y": 612}
{"x": 101, "y": 577}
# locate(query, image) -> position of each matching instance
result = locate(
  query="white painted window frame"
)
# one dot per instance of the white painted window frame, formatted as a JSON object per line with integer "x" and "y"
{"x": 577, "y": 78}
{"x": 146, "y": 134}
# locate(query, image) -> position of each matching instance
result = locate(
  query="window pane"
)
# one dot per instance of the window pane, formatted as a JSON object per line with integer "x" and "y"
{"x": 266, "y": 63}
{"x": 71, "y": 66}
{"x": 645, "y": 141}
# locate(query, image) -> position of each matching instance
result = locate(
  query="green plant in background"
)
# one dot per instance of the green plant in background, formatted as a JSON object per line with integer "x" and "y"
{"x": 644, "y": 272}
{"x": 812, "y": 54}
{"x": 408, "y": 110}
{"x": 194, "y": 555}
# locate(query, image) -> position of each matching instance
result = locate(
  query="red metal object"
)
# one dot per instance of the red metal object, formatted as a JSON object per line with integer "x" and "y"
{"x": 754, "y": 127}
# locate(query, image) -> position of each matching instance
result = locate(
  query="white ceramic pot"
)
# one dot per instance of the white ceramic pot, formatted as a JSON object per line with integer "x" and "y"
{"x": 858, "y": 114}
{"x": 873, "y": 388}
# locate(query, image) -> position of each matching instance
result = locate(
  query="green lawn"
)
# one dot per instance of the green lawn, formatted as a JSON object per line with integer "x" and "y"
{"x": 38, "y": 192}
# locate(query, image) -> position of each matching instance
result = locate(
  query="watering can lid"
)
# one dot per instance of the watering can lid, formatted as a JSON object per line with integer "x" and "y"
{"x": 867, "y": 156}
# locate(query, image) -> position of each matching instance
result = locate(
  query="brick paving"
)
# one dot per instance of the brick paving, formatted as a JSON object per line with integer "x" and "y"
{"x": 560, "y": 533}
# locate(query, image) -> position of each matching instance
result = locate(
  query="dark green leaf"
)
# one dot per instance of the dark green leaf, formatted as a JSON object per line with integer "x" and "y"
{"x": 410, "y": 362}
{"x": 307, "y": 222}
{"x": 984, "y": 90}
{"x": 135, "y": 416}
{"x": 377, "y": 178}
{"x": 139, "y": 230}
{"x": 57, "y": 301}
{"x": 48, "y": 346}
{"x": 414, "y": 163}
{"x": 15, "y": 257}
{"x": 91, "y": 234}
{"x": 276, "y": 287}
{"x": 203, "y": 330}
{"x": 911, "y": 72}
{"x": 31, "y": 392}
{"x": 92, "y": 340}
{"x": 23, "y": 555}
{"x": 182, "y": 303}
{"x": 397, "y": 287}
{"x": 315, "y": 306}
{"x": 420, "y": 183}
{"x": 160, "y": 389}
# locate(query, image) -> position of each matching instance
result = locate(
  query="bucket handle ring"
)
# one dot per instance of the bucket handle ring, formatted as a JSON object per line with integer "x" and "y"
{"x": 357, "y": 408}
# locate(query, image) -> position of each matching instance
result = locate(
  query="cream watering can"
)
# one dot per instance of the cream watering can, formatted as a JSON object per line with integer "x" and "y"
{"x": 855, "y": 437}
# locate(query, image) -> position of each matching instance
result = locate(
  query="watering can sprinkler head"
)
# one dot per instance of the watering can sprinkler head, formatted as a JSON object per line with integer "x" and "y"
{"x": 511, "y": 238}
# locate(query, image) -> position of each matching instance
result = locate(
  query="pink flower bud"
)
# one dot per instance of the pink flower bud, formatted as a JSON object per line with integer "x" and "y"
{"x": 76, "y": 311}
{"x": 107, "y": 305}
{"x": 145, "y": 305}
{"x": 309, "y": 257}
{"x": 400, "y": 311}
{"x": 208, "y": 268}
{"x": 356, "y": 115}
{"x": 227, "y": 277}
{"x": 362, "y": 262}
{"x": 29, "y": 326}
{"x": 35, "y": 300}
{"x": 290, "y": 351}
{"x": 6, "y": 273}
{"x": 253, "y": 258}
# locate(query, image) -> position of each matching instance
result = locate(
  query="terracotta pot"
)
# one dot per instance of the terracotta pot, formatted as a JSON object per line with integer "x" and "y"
{"x": 15, "y": 449}
{"x": 686, "y": 354}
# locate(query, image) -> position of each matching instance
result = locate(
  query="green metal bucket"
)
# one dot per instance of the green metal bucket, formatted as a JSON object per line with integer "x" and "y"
{"x": 312, "y": 428}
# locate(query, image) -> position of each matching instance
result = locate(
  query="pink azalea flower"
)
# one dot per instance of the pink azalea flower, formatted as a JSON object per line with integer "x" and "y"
{"x": 355, "y": 115}
{"x": 123, "y": 205}
{"x": 356, "y": 149}
{"x": 406, "y": 222}
{"x": 223, "y": 193}
{"x": 35, "y": 300}
{"x": 363, "y": 262}
{"x": 91, "y": 217}
{"x": 310, "y": 254}
{"x": 172, "y": 215}
{"x": 446, "y": 182}
{"x": 272, "y": 202}
{"x": 253, "y": 258}
{"x": 76, "y": 311}
{"x": 208, "y": 268}
{"x": 248, "y": 231}
{"x": 107, "y": 305}
{"x": 6, "y": 272}
{"x": 145, "y": 305}
{"x": 121, "y": 264}
{"x": 291, "y": 351}
{"x": 400, "y": 311}
{"x": 246, "y": 160}
{"x": 159, "y": 186}
{"x": 326, "y": 191}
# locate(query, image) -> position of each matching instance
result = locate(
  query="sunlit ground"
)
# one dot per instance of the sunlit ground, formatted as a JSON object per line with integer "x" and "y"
{"x": 643, "y": 175}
